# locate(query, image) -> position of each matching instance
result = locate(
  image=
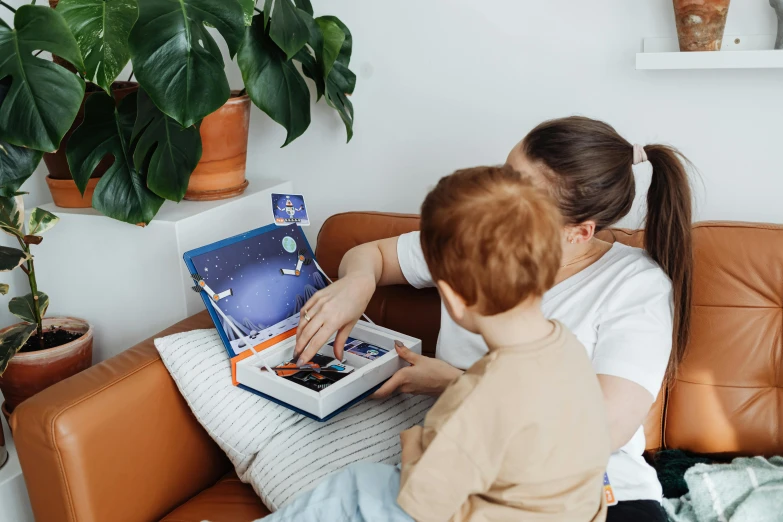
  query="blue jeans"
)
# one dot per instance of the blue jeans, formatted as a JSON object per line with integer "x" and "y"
{"x": 365, "y": 491}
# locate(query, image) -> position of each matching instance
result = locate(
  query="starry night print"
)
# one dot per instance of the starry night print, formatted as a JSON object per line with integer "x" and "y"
{"x": 262, "y": 295}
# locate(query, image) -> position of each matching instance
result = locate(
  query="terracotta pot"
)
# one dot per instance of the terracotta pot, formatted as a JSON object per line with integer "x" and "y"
{"x": 221, "y": 172}
{"x": 66, "y": 195}
{"x": 700, "y": 23}
{"x": 30, "y": 372}
{"x": 3, "y": 451}
{"x": 57, "y": 163}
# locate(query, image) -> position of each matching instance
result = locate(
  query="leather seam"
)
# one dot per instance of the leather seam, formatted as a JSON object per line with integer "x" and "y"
{"x": 53, "y": 422}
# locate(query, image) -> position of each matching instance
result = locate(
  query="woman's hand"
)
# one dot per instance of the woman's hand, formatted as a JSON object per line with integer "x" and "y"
{"x": 336, "y": 308}
{"x": 425, "y": 376}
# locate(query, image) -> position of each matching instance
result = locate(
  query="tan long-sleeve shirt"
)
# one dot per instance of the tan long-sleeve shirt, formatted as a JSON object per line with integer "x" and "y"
{"x": 522, "y": 435}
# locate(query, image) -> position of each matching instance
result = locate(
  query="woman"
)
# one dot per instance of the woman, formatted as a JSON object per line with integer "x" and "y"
{"x": 629, "y": 308}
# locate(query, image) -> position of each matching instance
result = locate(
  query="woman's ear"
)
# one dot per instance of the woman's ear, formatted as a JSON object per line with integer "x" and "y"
{"x": 581, "y": 233}
{"x": 454, "y": 302}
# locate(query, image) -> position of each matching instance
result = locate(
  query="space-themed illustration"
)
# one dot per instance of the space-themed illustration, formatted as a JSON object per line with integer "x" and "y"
{"x": 362, "y": 349}
{"x": 258, "y": 285}
{"x": 289, "y": 209}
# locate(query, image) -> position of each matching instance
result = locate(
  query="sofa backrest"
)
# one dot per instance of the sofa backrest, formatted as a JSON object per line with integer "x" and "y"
{"x": 728, "y": 395}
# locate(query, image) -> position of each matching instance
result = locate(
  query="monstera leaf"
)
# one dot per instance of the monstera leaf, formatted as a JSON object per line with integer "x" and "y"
{"x": 40, "y": 221}
{"x": 16, "y": 163}
{"x": 288, "y": 30}
{"x": 101, "y": 28}
{"x": 12, "y": 341}
{"x": 339, "y": 85}
{"x": 272, "y": 81}
{"x": 43, "y": 98}
{"x": 122, "y": 192}
{"x": 10, "y": 258}
{"x": 339, "y": 82}
{"x": 177, "y": 61}
{"x": 325, "y": 44}
{"x": 24, "y": 307}
{"x": 166, "y": 151}
{"x": 12, "y": 215}
{"x": 247, "y": 10}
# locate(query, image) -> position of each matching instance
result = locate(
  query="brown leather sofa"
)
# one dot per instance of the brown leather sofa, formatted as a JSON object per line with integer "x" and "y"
{"x": 118, "y": 443}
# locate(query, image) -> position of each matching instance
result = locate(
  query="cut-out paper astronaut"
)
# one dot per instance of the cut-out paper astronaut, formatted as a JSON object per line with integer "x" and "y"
{"x": 301, "y": 260}
{"x": 201, "y": 286}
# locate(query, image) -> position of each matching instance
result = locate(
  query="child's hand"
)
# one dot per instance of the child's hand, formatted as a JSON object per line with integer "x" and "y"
{"x": 410, "y": 440}
{"x": 424, "y": 376}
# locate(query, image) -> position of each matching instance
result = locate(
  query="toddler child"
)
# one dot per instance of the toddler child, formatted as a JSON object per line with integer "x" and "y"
{"x": 521, "y": 435}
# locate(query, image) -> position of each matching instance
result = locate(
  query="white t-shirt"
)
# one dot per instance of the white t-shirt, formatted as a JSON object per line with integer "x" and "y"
{"x": 620, "y": 309}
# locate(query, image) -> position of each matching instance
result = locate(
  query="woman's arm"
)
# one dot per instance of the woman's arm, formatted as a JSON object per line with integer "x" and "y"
{"x": 339, "y": 306}
{"x": 627, "y": 405}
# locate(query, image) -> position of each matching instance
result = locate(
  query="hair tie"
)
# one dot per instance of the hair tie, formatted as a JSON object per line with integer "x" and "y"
{"x": 639, "y": 156}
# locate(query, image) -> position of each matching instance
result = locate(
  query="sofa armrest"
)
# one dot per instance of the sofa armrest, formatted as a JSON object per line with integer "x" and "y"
{"x": 115, "y": 442}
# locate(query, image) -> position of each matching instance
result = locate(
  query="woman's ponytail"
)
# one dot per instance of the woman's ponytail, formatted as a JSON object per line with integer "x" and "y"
{"x": 667, "y": 238}
{"x": 589, "y": 166}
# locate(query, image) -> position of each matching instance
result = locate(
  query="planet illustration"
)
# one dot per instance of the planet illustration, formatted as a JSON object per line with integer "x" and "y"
{"x": 289, "y": 244}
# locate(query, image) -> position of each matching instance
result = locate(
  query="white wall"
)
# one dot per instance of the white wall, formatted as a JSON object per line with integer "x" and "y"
{"x": 444, "y": 84}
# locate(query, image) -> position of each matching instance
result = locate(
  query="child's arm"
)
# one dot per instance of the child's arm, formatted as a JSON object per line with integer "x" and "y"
{"x": 410, "y": 440}
{"x": 436, "y": 484}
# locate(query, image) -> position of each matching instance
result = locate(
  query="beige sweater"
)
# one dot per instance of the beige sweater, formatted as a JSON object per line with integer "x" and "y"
{"x": 522, "y": 435}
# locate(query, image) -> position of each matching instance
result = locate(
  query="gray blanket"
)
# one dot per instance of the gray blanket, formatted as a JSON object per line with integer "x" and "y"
{"x": 748, "y": 489}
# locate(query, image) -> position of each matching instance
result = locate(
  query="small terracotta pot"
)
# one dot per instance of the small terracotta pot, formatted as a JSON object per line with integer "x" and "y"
{"x": 221, "y": 172}
{"x": 66, "y": 194}
{"x": 30, "y": 372}
{"x": 700, "y": 23}
{"x": 57, "y": 162}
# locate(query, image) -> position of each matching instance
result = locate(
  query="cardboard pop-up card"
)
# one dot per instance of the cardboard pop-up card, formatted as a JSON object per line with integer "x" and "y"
{"x": 254, "y": 286}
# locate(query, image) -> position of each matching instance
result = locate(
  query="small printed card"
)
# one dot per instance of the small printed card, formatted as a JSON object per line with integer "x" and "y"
{"x": 362, "y": 349}
{"x": 610, "y": 498}
{"x": 289, "y": 209}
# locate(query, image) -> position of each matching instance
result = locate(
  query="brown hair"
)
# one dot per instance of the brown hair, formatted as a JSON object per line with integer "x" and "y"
{"x": 492, "y": 236}
{"x": 589, "y": 166}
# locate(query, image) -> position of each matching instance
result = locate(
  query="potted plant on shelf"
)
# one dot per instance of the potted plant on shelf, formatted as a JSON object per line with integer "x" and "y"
{"x": 39, "y": 351}
{"x": 170, "y": 140}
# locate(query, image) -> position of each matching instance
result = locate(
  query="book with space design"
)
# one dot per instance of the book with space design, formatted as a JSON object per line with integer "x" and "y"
{"x": 254, "y": 286}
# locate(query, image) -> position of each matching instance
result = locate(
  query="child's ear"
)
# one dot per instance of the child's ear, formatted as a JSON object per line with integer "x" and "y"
{"x": 454, "y": 302}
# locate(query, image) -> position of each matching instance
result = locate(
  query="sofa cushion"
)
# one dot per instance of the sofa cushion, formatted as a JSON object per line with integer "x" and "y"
{"x": 276, "y": 450}
{"x": 227, "y": 501}
{"x": 728, "y": 398}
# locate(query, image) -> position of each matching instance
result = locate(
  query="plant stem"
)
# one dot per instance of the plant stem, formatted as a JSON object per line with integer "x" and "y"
{"x": 131, "y": 76}
{"x": 7, "y": 6}
{"x": 36, "y": 308}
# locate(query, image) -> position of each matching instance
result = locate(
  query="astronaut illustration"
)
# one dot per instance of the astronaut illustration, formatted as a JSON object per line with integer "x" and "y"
{"x": 301, "y": 260}
{"x": 289, "y": 209}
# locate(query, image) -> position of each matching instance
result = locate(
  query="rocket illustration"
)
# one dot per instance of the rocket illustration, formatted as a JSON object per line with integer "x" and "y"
{"x": 301, "y": 260}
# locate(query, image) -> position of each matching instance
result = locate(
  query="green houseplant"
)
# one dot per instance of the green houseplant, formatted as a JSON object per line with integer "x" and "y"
{"x": 50, "y": 349}
{"x": 153, "y": 136}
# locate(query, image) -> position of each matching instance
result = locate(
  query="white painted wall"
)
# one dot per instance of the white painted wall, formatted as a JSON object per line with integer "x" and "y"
{"x": 445, "y": 84}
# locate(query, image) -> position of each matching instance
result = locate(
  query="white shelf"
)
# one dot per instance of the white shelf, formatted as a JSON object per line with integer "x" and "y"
{"x": 737, "y": 52}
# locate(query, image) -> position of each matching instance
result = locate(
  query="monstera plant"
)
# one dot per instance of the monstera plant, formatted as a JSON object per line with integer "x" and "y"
{"x": 152, "y": 136}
